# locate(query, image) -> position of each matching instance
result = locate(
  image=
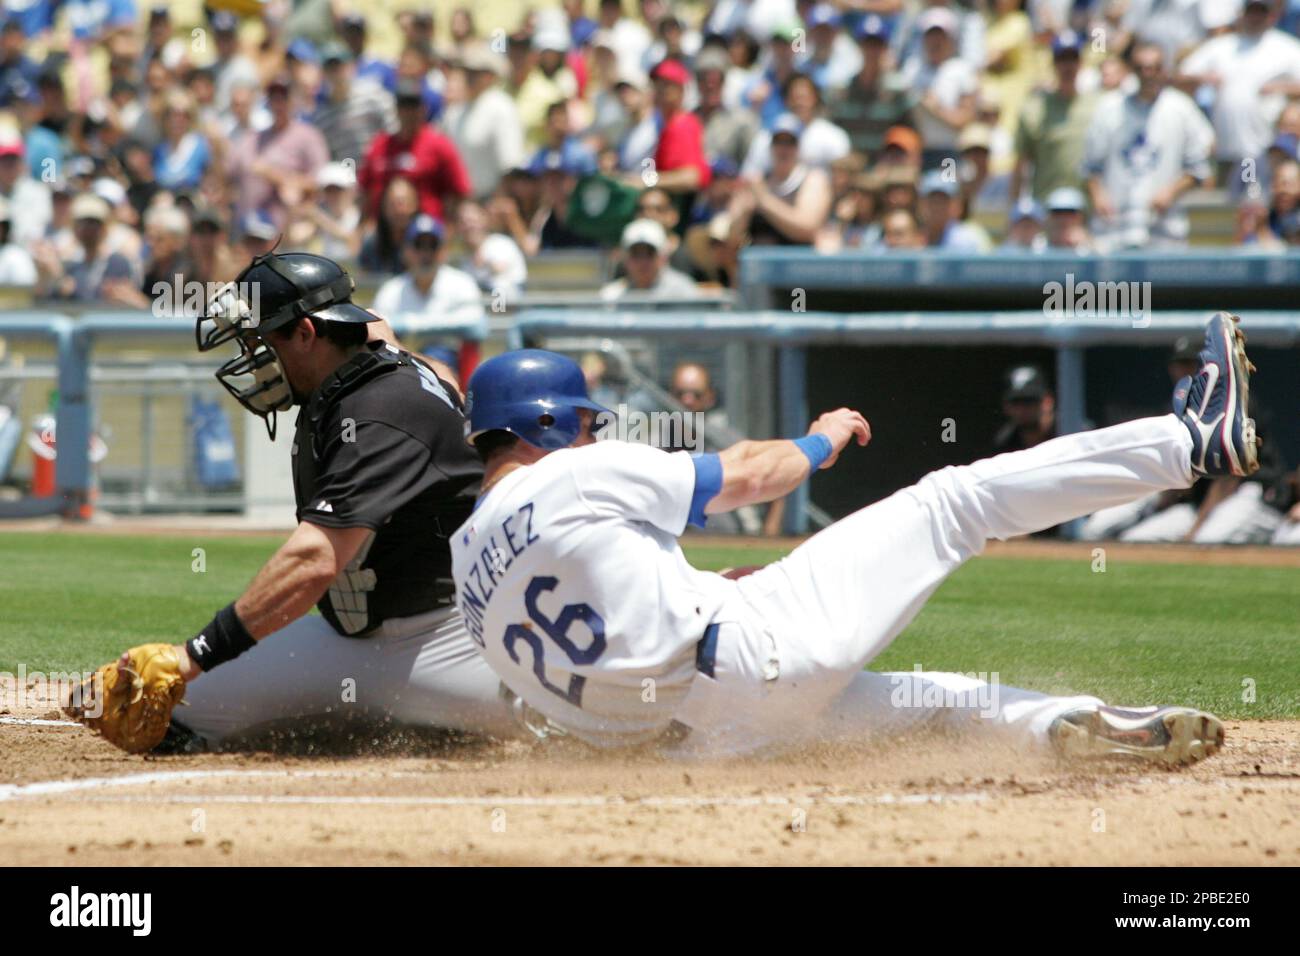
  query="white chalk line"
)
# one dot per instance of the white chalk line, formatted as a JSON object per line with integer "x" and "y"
{"x": 38, "y": 722}
{"x": 58, "y": 788}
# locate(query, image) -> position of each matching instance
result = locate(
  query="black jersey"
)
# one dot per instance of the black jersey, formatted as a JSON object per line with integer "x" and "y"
{"x": 381, "y": 445}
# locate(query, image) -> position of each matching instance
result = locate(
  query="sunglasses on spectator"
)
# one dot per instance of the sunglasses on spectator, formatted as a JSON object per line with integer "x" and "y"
{"x": 693, "y": 393}
{"x": 641, "y": 251}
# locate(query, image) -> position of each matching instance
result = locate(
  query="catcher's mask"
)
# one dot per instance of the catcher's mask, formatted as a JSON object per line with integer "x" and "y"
{"x": 272, "y": 293}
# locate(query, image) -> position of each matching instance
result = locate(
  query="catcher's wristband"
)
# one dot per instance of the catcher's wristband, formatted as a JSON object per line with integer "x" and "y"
{"x": 222, "y": 640}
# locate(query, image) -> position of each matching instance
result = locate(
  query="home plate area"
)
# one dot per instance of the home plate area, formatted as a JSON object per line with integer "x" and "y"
{"x": 68, "y": 797}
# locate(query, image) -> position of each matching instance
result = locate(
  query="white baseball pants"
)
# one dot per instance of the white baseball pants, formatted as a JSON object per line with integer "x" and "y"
{"x": 419, "y": 671}
{"x": 794, "y": 640}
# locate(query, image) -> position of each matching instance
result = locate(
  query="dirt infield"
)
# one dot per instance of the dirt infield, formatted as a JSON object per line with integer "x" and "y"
{"x": 67, "y": 797}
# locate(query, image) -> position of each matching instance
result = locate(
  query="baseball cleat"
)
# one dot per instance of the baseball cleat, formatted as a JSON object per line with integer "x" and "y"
{"x": 1167, "y": 735}
{"x": 1213, "y": 403}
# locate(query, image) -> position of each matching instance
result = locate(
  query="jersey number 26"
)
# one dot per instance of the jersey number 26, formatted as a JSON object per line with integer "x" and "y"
{"x": 558, "y": 631}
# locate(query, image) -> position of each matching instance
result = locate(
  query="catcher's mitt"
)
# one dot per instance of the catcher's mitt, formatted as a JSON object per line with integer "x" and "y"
{"x": 129, "y": 702}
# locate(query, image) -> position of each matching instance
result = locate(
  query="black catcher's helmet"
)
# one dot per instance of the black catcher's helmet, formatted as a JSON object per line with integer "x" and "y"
{"x": 273, "y": 292}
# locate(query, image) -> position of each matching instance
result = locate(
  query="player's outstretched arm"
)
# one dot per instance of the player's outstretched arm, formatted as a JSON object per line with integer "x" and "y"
{"x": 129, "y": 701}
{"x": 754, "y": 472}
{"x": 290, "y": 583}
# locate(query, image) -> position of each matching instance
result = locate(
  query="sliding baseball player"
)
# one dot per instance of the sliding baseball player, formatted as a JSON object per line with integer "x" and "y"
{"x": 571, "y": 581}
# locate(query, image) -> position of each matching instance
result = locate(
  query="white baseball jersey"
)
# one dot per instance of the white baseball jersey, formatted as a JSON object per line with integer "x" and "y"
{"x": 571, "y": 581}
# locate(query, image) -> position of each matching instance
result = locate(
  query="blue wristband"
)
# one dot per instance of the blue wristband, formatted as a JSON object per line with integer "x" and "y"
{"x": 817, "y": 448}
{"x": 708, "y": 482}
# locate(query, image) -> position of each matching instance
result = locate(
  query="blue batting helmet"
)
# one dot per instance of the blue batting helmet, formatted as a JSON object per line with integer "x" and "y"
{"x": 531, "y": 393}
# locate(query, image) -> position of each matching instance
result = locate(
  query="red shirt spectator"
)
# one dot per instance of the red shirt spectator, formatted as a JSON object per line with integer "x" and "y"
{"x": 681, "y": 141}
{"x": 417, "y": 152}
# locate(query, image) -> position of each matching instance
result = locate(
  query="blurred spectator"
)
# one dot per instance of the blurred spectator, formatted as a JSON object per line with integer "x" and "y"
{"x": 1141, "y": 155}
{"x": 352, "y": 28}
{"x": 645, "y": 256}
{"x": 17, "y": 270}
{"x": 981, "y": 192}
{"x": 330, "y": 222}
{"x": 353, "y": 113}
{"x": 789, "y": 205}
{"x": 636, "y": 148}
{"x": 558, "y": 171}
{"x": 679, "y": 161}
{"x": 29, "y": 197}
{"x": 272, "y": 168}
{"x": 1247, "y": 74}
{"x": 1011, "y": 65}
{"x": 492, "y": 258}
{"x": 182, "y": 157}
{"x": 821, "y": 142}
{"x": 416, "y": 152}
{"x": 943, "y": 84}
{"x": 853, "y": 222}
{"x": 967, "y": 30}
{"x": 763, "y": 94}
{"x": 691, "y": 386}
{"x": 713, "y": 253}
{"x": 1175, "y": 26}
{"x": 1053, "y": 126}
{"x": 1025, "y": 227}
{"x": 212, "y": 260}
{"x": 428, "y": 288}
{"x": 18, "y": 72}
{"x": 874, "y": 100}
{"x": 557, "y": 138}
{"x": 941, "y": 216}
{"x": 608, "y": 120}
{"x": 1030, "y": 410}
{"x": 381, "y": 250}
{"x": 258, "y": 235}
{"x": 231, "y": 67}
{"x": 629, "y": 39}
{"x": 657, "y": 204}
{"x": 715, "y": 197}
{"x": 90, "y": 273}
{"x": 1284, "y": 209}
{"x": 1067, "y": 220}
{"x": 728, "y": 132}
{"x": 833, "y": 58}
{"x": 486, "y": 127}
{"x": 167, "y": 235}
{"x": 539, "y": 78}
{"x": 901, "y": 147}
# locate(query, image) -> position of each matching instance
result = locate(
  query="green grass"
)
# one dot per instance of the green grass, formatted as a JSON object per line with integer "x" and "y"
{"x": 1137, "y": 633}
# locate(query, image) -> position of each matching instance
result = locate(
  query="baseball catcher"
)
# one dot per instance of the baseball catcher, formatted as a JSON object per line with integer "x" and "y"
{"x": 571, "y": 580}
{"x": 382, "y": 476}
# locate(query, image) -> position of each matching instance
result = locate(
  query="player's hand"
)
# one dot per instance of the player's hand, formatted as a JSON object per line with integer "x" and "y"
{"x": 841, "y": 426}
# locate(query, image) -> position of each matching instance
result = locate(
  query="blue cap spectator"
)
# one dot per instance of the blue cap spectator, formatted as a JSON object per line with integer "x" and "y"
{"x": 1065, "y": 42}
{"x": 572, "y": 159}
{"x": 302, "y": 50}
{"x": 823, "y": 15}
{"x": 872, "y": 27}
{"x": 424, "y": 225}
{"x": 1027, "y": 208}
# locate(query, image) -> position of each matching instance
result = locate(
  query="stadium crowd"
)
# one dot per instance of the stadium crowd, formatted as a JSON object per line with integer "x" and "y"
{"x": 134, "y": 146}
